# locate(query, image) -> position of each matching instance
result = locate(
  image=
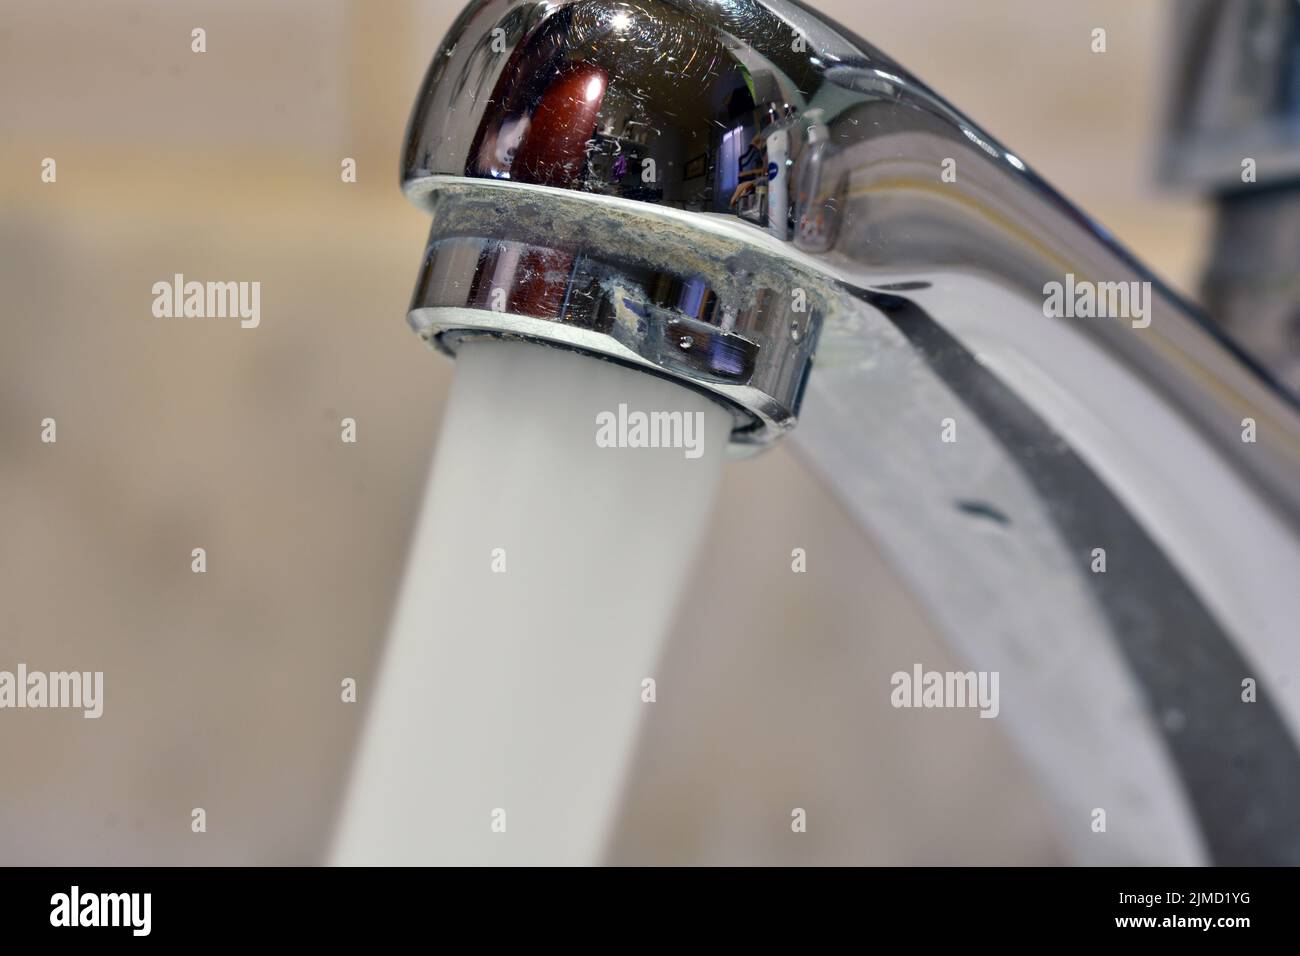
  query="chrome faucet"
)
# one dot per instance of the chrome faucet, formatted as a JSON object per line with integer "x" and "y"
{"x": 1088, "y": 488}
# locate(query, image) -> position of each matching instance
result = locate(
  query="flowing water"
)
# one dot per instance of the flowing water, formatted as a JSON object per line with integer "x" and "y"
{"x": 541, "y": 585}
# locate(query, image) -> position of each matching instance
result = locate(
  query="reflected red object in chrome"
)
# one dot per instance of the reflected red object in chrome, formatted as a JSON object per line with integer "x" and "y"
{"x": 552, "y": 151}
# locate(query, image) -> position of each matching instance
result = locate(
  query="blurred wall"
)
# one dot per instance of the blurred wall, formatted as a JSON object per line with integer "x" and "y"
{"x": 222, "y": 688}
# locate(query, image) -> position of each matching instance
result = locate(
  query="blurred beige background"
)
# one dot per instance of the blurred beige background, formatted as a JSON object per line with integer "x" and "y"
{"x": 222, "y": 689}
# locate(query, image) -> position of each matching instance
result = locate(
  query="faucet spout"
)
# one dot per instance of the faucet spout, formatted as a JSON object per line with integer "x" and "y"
{"x": 1093, "y": 494}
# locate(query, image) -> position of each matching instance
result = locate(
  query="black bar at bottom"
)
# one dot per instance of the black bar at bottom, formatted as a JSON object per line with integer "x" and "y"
{"x": 336, "y": 906}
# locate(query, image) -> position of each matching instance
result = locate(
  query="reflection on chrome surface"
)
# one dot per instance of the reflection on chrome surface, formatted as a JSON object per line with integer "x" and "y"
{"x": 748, "y": 199}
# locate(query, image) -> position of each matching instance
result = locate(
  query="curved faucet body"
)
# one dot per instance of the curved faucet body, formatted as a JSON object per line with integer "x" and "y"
{"x": 1091, "y": 492}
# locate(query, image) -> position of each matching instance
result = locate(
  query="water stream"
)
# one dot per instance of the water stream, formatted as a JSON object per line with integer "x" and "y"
{"x": 541, "y": 585}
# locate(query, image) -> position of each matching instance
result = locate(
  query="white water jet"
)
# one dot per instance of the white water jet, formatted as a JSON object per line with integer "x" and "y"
{"x": 542, "y": 580}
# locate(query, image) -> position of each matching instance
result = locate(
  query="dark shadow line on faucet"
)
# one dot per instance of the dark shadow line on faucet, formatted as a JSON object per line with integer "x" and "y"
{"x": 1239, "y": 765}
